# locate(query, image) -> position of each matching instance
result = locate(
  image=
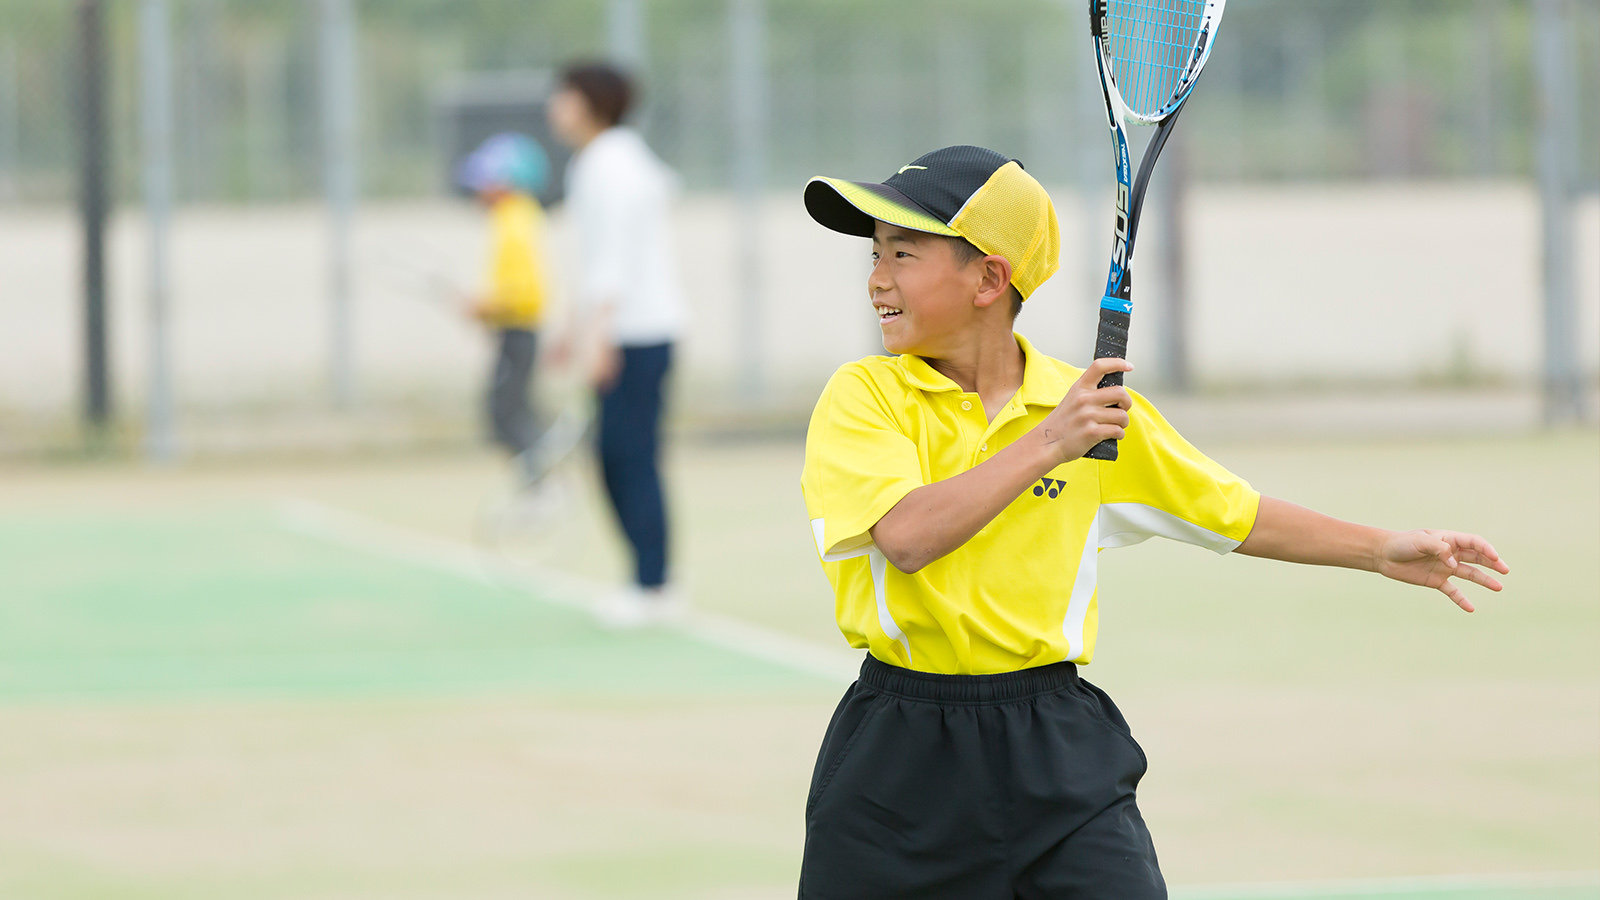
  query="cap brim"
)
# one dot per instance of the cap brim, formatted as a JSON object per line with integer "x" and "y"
{"x": 852, "y": 207}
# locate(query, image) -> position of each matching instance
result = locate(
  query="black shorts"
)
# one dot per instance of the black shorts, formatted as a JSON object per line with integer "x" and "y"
{"x": 977, "y": 787}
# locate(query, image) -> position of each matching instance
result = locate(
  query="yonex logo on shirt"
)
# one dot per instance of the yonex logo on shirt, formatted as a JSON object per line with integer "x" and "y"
{"x": 1052, "y": 486}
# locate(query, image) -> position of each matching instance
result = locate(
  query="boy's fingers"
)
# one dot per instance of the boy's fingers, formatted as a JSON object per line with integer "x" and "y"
{"x": 1111, "y": 415}
{"x": 1427, "y": 545}
{"x": 1456, "y": 597}
{"x": 1099, "y": 369}
{"x": 1468, "y": 554}
{"x": 1115, "y": 396}
{"x": 1442, "y": 550}
{"x": 1484, "y": 552}
{"x": 1477, "y": 576}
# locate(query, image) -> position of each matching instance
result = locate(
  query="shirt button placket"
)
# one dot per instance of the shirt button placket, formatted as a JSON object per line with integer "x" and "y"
{"x": 966, "y": 406}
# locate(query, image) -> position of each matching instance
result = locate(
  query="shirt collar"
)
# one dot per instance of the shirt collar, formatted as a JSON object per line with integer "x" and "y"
{"x": 924, "y": 377}
{"x": 1043, "y": 382}
{"x": 617, "y": 135}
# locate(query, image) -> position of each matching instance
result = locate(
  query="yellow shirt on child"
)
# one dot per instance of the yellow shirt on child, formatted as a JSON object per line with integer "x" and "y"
{"x": 516, "y": 296}
{"x": 1021, "y": 592}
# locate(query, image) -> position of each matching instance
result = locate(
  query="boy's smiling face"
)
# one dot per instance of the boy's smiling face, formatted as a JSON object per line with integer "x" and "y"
{"x": 921, "y": 291}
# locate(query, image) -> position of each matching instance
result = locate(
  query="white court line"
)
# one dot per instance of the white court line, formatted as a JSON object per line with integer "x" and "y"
{"x": 1389, "y": 887}
{"x": 352, "y": 530}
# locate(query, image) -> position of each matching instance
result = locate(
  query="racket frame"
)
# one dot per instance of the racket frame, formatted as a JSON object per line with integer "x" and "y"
{"x": 416, "y": 276}
{"x": 1116, "y": 303}
{"x": 556, "y": 443}
{"x": 515, "y": 522}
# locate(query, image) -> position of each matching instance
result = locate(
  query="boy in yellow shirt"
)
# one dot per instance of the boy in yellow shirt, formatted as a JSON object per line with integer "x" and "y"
{"x": 505, "y": 173}
{"x": 959, "y": 526}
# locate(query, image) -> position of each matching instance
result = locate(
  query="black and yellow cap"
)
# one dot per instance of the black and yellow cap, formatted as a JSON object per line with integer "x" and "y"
{"x": 966, "y": 192}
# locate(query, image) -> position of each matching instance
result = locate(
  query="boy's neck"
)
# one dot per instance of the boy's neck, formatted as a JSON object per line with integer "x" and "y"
{"x": 991, "y": 366}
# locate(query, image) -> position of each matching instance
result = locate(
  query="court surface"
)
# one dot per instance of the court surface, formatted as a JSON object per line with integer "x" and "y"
{"x": 303, "y": 679}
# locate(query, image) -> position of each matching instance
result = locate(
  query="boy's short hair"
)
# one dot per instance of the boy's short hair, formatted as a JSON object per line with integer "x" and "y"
{"x": 607, "y": 89}
{"x": 966, "y": 253}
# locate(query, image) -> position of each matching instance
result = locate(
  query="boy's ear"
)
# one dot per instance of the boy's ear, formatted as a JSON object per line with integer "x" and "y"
{"x": 995, "y": 282}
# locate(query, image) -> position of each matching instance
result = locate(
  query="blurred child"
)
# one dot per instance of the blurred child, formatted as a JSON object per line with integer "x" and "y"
{"x": 505, "y": 173}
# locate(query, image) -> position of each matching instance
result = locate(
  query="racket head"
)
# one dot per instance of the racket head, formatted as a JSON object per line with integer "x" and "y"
{"x": 558, "y": 442}
{"x": 1151, "y": 51}
{"x": 521, "y": 524}
{"x": 414, "y": 274}
{"x": 521, "y": 520}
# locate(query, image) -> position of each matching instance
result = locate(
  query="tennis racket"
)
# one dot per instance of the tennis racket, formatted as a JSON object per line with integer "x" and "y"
{"x": 412, "y": 273}
{"x": 518, "y": 521}
{"x": 1148, "y": 54}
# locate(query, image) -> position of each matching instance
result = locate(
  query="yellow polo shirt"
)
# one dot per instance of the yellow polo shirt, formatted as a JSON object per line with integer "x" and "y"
{"x": 1021, "y": 592}
{"x": 516, "y": 262}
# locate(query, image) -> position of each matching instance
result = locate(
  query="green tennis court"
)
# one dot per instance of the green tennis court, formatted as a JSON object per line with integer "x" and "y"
{"x": 224, "y": 661}
{"x": 205, "y": 693}
{"x": 236, "y": 602}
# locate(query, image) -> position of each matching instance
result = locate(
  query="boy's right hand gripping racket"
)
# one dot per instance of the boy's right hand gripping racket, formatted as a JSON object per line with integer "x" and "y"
{"x": 1148, "y": 53}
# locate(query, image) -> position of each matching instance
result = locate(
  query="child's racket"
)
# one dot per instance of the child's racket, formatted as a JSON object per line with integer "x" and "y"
{"x": 1148, "y": 53}
{"x": 518, "y": 521}
{"x": 416, "y": 275}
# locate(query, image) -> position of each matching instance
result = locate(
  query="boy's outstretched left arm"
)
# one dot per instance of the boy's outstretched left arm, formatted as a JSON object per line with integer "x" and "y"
{"x": 1424, "y": 557}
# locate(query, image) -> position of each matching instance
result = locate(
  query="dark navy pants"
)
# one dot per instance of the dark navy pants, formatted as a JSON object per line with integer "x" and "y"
{"x": 629, "y": 450}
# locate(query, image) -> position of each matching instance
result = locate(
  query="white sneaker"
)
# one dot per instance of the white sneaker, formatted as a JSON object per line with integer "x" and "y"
{"x": 638, "y": 607}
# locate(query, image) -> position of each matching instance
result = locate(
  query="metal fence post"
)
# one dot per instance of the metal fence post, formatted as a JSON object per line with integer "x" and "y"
{"x": 155, "y": 58}
{"x": 10, "y": 135}
{"x": 338, "y": 73}
{"x": 625, "y": 34}
{"x": 1553, "y": 73}
{"x": 94, "y": 204}
{"x": 748, "y": 95}
{"x": 1171, "y": 220}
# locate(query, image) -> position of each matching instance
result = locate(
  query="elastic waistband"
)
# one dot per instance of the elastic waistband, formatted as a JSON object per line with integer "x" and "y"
{"x": 1001, "y": 688}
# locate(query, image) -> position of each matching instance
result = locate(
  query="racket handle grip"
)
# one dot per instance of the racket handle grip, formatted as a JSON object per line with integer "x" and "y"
{"x": 1111, "y": 342}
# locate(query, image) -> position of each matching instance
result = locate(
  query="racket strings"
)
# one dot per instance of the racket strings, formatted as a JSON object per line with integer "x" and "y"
{"x": 1151, "y": 45}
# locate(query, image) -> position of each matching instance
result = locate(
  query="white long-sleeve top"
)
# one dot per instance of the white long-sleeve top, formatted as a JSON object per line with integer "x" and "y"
{"x": 618, "y": 194}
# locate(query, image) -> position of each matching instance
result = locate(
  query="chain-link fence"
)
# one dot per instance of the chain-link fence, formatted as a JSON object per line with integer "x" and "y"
{"x": 1417, "y": 121}
{"x": 1302, "y": 91}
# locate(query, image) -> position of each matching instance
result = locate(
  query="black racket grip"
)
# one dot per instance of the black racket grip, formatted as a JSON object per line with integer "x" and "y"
{"x": 1111, "y": 342}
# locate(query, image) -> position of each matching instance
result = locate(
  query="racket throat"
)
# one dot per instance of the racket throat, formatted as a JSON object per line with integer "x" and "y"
{"x": 1147, "y": 166}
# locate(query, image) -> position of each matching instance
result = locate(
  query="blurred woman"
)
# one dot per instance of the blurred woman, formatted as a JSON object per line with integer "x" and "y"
{"x": 628, "y": 313}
